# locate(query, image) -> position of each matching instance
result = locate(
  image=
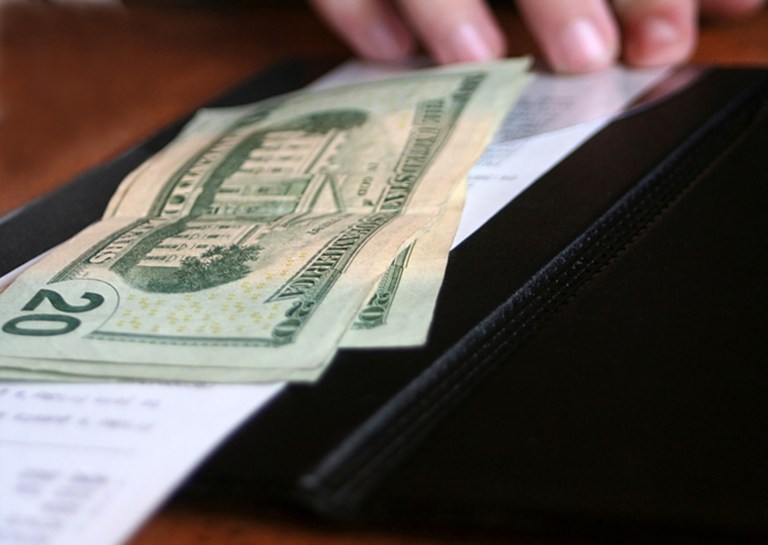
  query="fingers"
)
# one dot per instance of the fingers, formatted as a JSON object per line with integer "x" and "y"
{"x": 657, "y": 32}
{"x": 451, "y": 30}
{"x": 372, "y": 27}
{"x": 574, "y": 35}
{"x": 456, "y": 30}
{"x": 664, "y": 32}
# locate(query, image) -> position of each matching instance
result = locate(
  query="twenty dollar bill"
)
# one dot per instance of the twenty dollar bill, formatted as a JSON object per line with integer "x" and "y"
{"x": 245, "y": 249}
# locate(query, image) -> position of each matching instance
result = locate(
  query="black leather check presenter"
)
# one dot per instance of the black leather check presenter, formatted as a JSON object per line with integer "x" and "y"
{"x": 598, "y": 362}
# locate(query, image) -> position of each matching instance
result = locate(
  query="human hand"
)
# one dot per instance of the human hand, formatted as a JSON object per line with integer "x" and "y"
{"x": 574, "y": 35}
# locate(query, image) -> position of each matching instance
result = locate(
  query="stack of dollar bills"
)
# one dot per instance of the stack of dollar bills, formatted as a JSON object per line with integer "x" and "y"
{"x": 266, "y": 237}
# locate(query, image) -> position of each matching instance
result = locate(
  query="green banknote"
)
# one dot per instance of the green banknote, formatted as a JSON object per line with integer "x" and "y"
{"x": 245, "y": 249}
{"x": 399, "y": 311}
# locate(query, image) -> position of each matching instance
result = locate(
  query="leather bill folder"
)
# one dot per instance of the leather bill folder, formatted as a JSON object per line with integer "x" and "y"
{"x": 598, "y": 361}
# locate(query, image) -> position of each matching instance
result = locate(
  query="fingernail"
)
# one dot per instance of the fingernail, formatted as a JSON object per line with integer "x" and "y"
{"x": 659, "y": 41}
{"x": 384, "y": 44}
{"x": 660, "y": 31}
{"x": 583, "y": 47}
{"x": 469, "y": 44}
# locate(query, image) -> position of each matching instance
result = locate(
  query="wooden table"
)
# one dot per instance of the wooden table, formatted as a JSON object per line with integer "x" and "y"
{"x": 79, "y": 83}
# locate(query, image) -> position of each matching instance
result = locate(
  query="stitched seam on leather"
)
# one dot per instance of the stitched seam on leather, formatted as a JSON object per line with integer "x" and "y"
{"x": 596, "y": 248}
{"x": 517, "y": 329}
{"x": 515, "y": 320}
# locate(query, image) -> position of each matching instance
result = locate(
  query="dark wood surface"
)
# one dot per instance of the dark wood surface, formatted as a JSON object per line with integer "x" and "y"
{"x": 79, "y": 83}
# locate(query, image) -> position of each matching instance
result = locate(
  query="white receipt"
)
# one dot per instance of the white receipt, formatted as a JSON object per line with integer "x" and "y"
{"x": 554, "y": 116}
{"x": 86, "y": 464}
